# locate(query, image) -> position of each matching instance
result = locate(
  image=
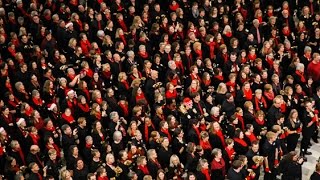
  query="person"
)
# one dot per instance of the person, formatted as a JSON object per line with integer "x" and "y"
{"x": 270, "y": 154}
{"x": 316, "y": 174}
{"x": 235, "y": 171}
{"x": 291, "y": 166}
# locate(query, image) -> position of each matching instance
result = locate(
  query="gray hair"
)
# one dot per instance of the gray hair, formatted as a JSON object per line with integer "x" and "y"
{"x": 100, "y": 33}
{"x": 307, "y": 48}
{"x": 113, "y": 114}
{"x": 300, "y": 66}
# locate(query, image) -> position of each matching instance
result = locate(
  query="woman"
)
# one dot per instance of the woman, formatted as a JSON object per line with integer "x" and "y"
{"x": 179, "y": 144}
{"x": 245, "y": 94}
{"x": 95, "y": 114}
{"x": 67, "y": 118}
{"x": 36, "y": 120}
{"x": 259, "y": 101}
{"x": 81, "y": 171}
{"x": 176, "y": 169}
{"x": 293, "y": 130}
{"x": 205, "y": 144}
{"x": 98, "y": 135}
{"x": 191, "y": 158}
{"x": 113, "y": 171}
{"x": 123, "y": 85}
{"x": 291, "y": 166}
{"x": 221, "y": 93}
{"x": 218, "y": 170}
{"x": 240, "y": 145}
{"x": 203, "y": 171}
{"x": 216, "y": 136}
{"x": 165, "y": 153}
{"x": 82, "y": 108}
{"x": 124, "y": 163}
{"x": 48, "y": 92}
{"x": 142, "y": 168}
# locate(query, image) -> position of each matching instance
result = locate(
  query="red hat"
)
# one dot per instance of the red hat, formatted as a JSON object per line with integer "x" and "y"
{"x": 187, "y": 101}
{"x": 51, "y": 106}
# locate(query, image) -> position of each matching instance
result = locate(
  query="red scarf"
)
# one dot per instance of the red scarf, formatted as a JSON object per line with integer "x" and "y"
{"x": 144, "y": 55}
{"x": 199, "y": 53}
{"x": 28, "y": 111}
{"x": 125, "y": 109}
{"x": 286, "y": 32}
{"x": 301, "y": 75}
{"x": 248, "y": 94}
{"x": 174, "y": 7}
{"x": 205, "y": 145}
{"x": 221, "y": 136}
{"x": 269, "y": 95}
{"x": 197, "y": 131}
{"x": 69, "y": 119}
{"x": 225, "y": 57}
{"x": 84, "y": 107}
{"x": 258, "y": 101}
{"x": 259, "y": 122}
{"x": 14, "y": 103}
{"x": 89, "y": 72}
{"x": 241, "y": 142}
{"x": 228, "y": 34}
{"x": 207, "y": 82}
{"x": 171, "y": 95}
{"x": 269, "y": 61}
{"x": 35, "y": 138}
{"x": 123, "y": 25}
{"x": 87, "y": 94}
{"x": 37, "y": 101}
{"x": 126, "y": 84}
{"x": 79, "y": 24}
{"x": 206, "y": 173}
{"x": 230, "y": 152}
{"x": 146, "y": 130}
{"x": 251, "y": 137}
{"x": 144, "y": 169}
{"x": 140, "y": 97}
{"x": 21, "y": 155}
{"x": 166, "y": 132}
{"x": 240, "y": 118}
{"x": 211, "y": 48}
{"x": 219, "y": 77}
{"x": 123, "y": 39}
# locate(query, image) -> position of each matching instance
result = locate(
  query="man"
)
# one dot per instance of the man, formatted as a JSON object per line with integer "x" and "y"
{"x": 228, "y": 106}
{"x": 152, "y": 85}
{"x": 309, "y": 120}
{"x": 273, "y": 112}
{"x": 34, "y": 156}
{"x": 253, "y": 151}
{"x": 270, "y": 154}
{"x": 257, "y": 32}
{"x": 313, "y": 69}
{"x": 234, "y": 172}
{"x": 35, "y": 172}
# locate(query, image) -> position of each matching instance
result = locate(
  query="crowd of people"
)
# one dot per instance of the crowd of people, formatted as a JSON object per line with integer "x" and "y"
{"x": 179, "y": 89}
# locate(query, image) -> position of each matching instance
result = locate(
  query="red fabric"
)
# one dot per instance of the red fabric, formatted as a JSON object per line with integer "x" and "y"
{"x": 230, "y": 153}
{"x": 171, "y": 95}
{"x": 126, "y": 84}
{"x": 37, "y": 101}
{"x": 211, "y": 48}
{"x": 125, "y": 109}
{"x": 260, "y": 122}
{"x": 35, "y": 138}
{"x": 84, "y": 107}
{"x": 146, "y": 130}
{"x": 258, "y": 101}
{"x": 21, "y": 155}
{"x": 251, "y": 137}
{"x": 221, "y": 136}
{"x": 166, "y": 132}
{"x": 206, "y": 173}
{"x": 197, "y": 131}
{"x": 240, "y": 118}
{"x": 144, "y": 55}
{"x": 200, "y": 108}
{"x": 69, "y": 119}
{"x": 228, "y": 34}
{"x": 205, "y": 145}
{"x": 144, "y": 169}
{"x": 301, "y": 76}
{"x": 241, "y": 142}
{"x": 38, "y": 124}
{"x": 123, "y": 25}
{"x": 123, "y": 39}
{"x": 218, "y": 165}
{"x": 85, "y": 46}
{"x": 248, "y": 94}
